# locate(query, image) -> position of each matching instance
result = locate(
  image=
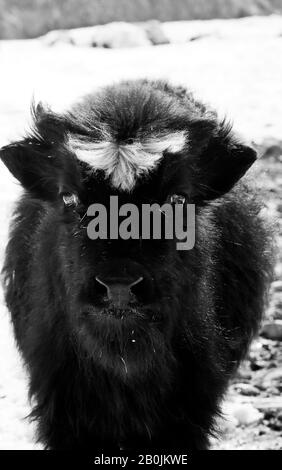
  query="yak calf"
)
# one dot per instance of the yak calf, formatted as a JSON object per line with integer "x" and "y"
{"x": 130, "y": 343}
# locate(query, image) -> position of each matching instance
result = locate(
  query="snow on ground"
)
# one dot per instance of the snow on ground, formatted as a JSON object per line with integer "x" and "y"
{"x": 236, "y": 67}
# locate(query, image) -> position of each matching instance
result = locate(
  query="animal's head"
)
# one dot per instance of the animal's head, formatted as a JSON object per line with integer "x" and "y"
{"x": 146, "y": 143}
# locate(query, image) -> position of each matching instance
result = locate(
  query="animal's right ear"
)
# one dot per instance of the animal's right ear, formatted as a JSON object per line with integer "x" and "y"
{"x": 32, "y": 165}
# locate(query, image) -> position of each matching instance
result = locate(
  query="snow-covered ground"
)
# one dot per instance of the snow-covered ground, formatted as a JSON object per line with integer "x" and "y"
{"x": 237, "y": 67}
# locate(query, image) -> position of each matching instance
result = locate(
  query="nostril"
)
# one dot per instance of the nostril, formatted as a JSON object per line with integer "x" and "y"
{"x": 141, "y": 290}
{"x": 135, "y": 283}
{"x": 100, "y": 288}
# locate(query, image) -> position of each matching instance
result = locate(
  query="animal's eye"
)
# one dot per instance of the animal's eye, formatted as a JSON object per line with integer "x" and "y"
{"x": 70, "y": 199}
{"x": 177, "y": 199}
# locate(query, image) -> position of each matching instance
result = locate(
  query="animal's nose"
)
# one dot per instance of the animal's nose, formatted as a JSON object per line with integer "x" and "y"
{"x": 119, "y": 290}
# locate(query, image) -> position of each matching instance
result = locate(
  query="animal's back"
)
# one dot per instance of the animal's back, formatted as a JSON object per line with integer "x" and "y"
{"x": 244, "y": 260}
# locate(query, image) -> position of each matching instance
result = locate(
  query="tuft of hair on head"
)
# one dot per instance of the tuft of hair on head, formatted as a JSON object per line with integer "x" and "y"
{"x": 47, "y": 127}
{"x": 124, "y": 163}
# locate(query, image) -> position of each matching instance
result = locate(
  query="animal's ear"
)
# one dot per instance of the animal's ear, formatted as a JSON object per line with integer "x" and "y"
{"x": 31, "y": 165}
{"x": 37, "y": 168}
{"x": 220, "y": 164}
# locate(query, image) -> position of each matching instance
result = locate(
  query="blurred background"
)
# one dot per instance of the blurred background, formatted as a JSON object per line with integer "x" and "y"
{"x": 31, "y": 18}
{"x": 229, "y": 53}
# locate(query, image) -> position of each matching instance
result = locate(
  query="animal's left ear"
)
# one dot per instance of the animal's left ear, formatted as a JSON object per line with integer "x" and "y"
{"x": 220, "y": 164}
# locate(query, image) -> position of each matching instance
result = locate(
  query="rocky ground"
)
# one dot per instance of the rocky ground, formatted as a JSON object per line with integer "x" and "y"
{"x": 253, "y": 406}
{"x": 236, "y": 66}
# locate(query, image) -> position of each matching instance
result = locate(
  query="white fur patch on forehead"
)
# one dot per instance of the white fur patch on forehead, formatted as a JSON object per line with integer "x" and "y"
{"x": 123, "y": 164}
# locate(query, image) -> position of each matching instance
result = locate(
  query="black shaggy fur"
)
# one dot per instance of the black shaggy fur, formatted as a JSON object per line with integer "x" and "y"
{"x": 153, "y": 375}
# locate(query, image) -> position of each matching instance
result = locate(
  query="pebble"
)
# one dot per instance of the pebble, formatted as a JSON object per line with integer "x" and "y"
{"x": 272, "y": 330}
{"x": 155, "y": 32}
{"x": 246, "y": 389}
{"x": 246, "y": 414}
{"x": 278, "y": 270}
{"x": 276, "y": 286}
{"x": 243, "y": 374}
{"x": 274, "y": 420}
{"x": 257, "y": 365}
{"x": 272, "y": 391}
{"x": 272, "y": 378}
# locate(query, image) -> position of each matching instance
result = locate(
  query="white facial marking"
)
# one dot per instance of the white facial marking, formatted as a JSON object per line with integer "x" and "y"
{"x": 124, "y": 163}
